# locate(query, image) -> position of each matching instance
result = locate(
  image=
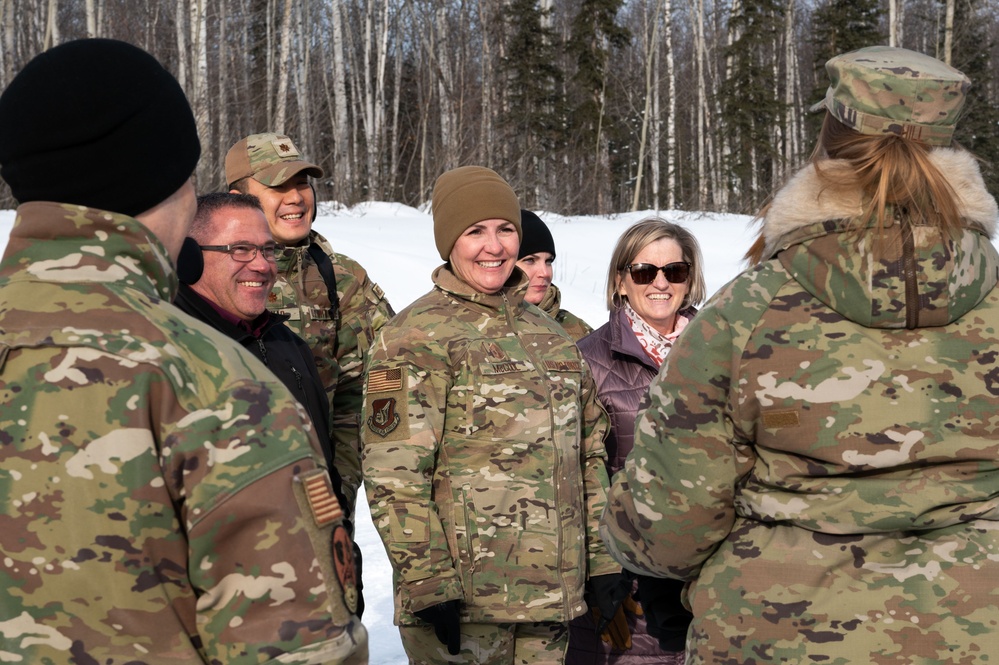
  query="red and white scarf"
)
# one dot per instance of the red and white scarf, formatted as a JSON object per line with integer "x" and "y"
{"x": 656, "y": 344}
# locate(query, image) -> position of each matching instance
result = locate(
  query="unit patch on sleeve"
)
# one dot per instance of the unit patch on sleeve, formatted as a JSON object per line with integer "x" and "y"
{"x": 383, "y": 418}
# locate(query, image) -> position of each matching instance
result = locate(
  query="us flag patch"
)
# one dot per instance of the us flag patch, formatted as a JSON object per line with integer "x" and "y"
{"x": 325, "y": 507}
{"x": 385, "y": 380}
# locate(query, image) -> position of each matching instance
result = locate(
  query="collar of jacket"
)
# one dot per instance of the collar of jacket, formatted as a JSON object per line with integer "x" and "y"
{"x": 551, "y": 303}
{"x": 194, "y": 304}
{"x": 61, "y": 242}
{"x": 805, "y": 200}
{"x": 512, "y": 293}
{"x": 292, "y": 254}
{"x": 921, "y": 277}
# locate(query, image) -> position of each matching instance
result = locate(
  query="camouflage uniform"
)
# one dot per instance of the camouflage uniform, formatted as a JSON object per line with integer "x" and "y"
{"x": 484, "y": 458}
{"x": 155, "y": 477}
{"x": 301, "y": 293}
{"x": 820, "y": 458}
{"x": 551, "y": 305}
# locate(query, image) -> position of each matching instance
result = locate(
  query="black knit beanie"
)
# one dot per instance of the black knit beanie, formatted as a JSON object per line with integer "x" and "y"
{"x": 96, "y": 122}
{"x": 537, "y": 237}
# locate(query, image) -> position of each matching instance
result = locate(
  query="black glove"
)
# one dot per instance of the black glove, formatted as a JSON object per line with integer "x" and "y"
{"x": 665, "y": 616}
{"x": 445, "y": 619}
{"x": 606, "y": 593}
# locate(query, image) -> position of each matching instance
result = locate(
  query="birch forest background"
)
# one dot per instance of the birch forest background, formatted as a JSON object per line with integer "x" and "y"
{"x": 585, "y": 106}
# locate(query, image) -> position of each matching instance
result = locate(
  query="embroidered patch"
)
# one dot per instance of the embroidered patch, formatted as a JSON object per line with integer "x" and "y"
{"x": 285, "y": 148}
{"x": 780, "y": 419}
{"x": 493, "y": 350}
{"x": 385, "y": 380}
{"x": 384, "y": 418}
{"x": 563, "y": 366}
{"x": 345, "y": 566}
{"x": 322, "y": 501}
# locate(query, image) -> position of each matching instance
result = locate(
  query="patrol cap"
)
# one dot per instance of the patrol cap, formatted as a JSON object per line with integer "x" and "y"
{"x": 468, "y": 195}
{"x": 888, "y": 90}
{"x": 270, "y": 159}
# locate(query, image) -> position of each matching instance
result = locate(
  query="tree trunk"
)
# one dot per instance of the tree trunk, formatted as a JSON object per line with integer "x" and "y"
{"x": 341, "y": 124}
{"x": 198, "y": 92}
{"x": 281, "y": 103}
{"x": 671, "y": 114}
{"x": 180, "y": 14}
{"x": 52, "y": 26}
{"x": 949, "y": 32}
{"x": 651, "y": 79}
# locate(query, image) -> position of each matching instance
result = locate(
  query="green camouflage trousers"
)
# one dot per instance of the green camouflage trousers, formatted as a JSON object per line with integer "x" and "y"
{"x": 542, "y": 643}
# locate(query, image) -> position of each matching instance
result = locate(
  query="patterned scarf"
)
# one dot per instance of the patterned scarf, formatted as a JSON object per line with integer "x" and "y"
{"x": 656, "y": 344}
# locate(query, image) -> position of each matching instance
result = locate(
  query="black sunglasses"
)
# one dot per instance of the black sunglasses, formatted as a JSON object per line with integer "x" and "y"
{"x": 645, "y": 273}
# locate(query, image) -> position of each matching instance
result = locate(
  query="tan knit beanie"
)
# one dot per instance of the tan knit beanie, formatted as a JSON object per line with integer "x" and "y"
{"x": 466, "y": 196}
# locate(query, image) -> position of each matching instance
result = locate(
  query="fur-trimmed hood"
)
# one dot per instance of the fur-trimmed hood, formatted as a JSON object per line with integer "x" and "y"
{"x": 922, "y": 278}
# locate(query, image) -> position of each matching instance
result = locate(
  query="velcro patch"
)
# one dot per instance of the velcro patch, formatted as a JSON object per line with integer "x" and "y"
{"x": 385, "y": 380}
{"x": 285, "y": 148}
{"x": 563, "y": 365}
{"x": 384, "y": 418}
{"x": 325, "y": 507}
{"x": 780, "y": 419}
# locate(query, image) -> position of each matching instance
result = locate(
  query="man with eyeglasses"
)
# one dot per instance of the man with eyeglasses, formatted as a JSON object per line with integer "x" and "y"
{"x": 340, "y": 328}
{"x": 227, "y": 268}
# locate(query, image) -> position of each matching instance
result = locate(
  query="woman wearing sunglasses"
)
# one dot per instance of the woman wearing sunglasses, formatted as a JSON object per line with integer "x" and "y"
{"x": 536, "y": 256}
{"x": 654, "y": 282}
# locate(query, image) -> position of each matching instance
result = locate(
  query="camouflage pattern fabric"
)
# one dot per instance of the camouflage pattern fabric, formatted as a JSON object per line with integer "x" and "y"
{"x": 887, "y": 90}
{"x": 551, "y": 305}
{"x": 301, "y": 293}
{"x": 490, "y": 644}
{"x": 150, "y": 470}
{"x": 484, "y": 457}
{"x": 830, "y": 486}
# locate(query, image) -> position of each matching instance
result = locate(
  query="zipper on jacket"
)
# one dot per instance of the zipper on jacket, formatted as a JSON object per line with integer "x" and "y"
{"x": 555, "y": 461}
{"x": 298, "y": 378}
{"x": 909, "y": 274}
{"x": 263, "y": 350}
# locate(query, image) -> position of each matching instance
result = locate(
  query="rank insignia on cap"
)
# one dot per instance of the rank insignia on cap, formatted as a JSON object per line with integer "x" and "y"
{"x": 385, "y": 380}
{"x": 322, "y": 501}
{"x": 285, "y": 148}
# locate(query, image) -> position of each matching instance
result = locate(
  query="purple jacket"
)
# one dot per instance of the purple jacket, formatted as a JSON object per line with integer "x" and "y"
{"x": 622, "y": 372}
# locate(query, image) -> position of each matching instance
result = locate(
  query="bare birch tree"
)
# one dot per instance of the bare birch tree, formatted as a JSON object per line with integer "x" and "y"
{"x": 651, "y": 83}
{"x": 284, "y": 48}
{"x": 52, "y": 25}
{"x": 341, "y": 123}
{"x": 197, "y": 90}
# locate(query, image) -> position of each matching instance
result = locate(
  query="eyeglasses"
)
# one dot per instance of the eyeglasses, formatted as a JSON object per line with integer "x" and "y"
{"x": 645, "y": 273}
{"x": 245, "y": 252}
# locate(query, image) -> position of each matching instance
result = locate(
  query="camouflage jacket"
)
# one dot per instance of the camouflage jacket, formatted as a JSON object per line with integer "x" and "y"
{"x": 820, "y": 456}
{"x": 484, "y": 457}
{"x": 551, "y": 305}
{"x": 301, "y": 293}
{"x": 152, "y": 473}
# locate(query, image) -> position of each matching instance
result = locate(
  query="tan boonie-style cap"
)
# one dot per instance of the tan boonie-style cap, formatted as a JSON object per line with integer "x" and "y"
{"x": 269, "y": 159}
{"x": 887, "y": 90}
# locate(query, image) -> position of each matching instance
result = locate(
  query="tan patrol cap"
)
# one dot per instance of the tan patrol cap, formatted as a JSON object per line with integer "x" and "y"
{"x": 270, "y": 159}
